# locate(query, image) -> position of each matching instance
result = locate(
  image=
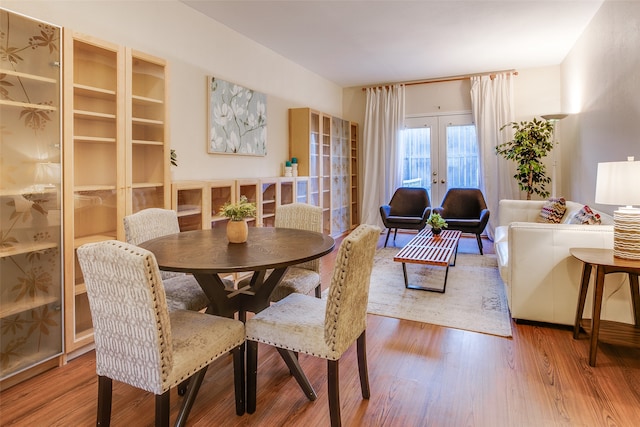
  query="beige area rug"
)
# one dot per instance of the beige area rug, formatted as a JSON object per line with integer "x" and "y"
{"x": 474, "y": 299}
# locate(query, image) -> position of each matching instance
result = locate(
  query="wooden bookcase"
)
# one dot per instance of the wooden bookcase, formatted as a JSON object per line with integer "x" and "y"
{"x": 353, "y": 170}
{"x": 326, "y": 149}
{"x": 117, "y": 153}
{"x": 31, "y": 297}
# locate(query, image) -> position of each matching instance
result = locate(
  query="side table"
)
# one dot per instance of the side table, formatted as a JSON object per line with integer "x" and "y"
{"x": 613, "y": 332}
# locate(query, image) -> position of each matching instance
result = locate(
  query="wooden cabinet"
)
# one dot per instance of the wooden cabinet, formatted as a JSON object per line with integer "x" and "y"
{"x": 302, "y": 189}
{"x": 287, "y": 190}
{"x": 31, "y": 307}
{"x": 116, "y": 155}
{"x": 220, "y": 192}
{"x": 269, "y": 196}
{"x": 250, "y": 188}
{"x": 326, "y": 149}
{"x": 189, "y": 199}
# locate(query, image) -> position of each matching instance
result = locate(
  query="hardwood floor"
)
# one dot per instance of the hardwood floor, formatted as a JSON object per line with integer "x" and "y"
{"x": 420, "y": 375}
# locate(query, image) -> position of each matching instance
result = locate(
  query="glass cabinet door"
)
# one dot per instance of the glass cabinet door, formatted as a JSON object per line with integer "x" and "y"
{"x": 30, "y": 194}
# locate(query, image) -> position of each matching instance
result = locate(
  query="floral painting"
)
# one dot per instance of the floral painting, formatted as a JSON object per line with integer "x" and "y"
{"x": 237, "y": 119}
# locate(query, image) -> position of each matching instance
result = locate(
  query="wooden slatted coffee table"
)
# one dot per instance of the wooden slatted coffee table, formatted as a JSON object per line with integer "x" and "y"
{"x": 425, "y": 248}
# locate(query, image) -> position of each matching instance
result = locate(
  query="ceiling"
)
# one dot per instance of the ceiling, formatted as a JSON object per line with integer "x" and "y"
{"x": 367, "y": 42}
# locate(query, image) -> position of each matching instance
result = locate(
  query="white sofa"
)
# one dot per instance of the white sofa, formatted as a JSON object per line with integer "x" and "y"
{"x": 541, "y": 277}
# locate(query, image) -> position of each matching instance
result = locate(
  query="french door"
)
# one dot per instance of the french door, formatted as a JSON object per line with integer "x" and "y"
{"x": 438, "y": 153}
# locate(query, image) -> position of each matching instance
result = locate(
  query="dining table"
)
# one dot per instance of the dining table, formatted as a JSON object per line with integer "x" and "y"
{"x": 208, "y": 255}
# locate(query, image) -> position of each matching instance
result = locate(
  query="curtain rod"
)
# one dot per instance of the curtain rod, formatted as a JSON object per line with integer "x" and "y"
{"x": 491, "y": 75}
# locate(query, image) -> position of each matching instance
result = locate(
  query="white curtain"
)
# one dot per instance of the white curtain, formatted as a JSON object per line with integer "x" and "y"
{"x": 383, "y": 122}
{"x": 492, "y": 105}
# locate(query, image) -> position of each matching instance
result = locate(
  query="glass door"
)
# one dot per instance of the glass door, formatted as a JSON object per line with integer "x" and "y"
{"x": 438, "y": 153}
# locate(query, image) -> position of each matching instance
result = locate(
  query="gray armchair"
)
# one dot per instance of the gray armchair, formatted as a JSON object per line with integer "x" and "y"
{"x": 465, "y": 209}
{"x": 408, "y": 209}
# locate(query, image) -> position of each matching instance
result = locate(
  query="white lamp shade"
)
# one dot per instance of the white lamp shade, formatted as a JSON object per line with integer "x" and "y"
{"x": 618, "y": 183}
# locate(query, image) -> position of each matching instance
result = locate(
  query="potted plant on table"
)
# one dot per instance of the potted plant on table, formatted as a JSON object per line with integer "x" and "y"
{"x": 237, "y": 229}
{"x": 531, "y": 143}
{"x": 437, "y": 223}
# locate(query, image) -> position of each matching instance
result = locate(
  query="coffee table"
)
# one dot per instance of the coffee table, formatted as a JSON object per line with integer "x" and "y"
{"x": 425, "y": 248}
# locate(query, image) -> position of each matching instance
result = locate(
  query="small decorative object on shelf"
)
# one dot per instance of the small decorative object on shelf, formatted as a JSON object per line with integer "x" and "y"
{"x": 437, "y": 223}
{"x": 287, "y": 169}
{"x": 237, "y": 229}
{"x": 294, "y": 166}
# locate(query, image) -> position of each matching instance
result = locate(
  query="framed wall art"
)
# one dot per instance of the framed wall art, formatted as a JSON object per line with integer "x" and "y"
{"x": 237, "y": 119}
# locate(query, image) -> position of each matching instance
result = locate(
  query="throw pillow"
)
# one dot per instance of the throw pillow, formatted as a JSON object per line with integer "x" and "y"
{"x": 585, "y": 216}
{"x": 553, "y": 210}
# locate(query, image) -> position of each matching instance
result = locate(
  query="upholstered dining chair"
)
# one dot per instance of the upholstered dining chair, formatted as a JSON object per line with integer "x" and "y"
{"x": 408, "y": 209}
{"x": 182, "y": 290}
{"x": 139, "y": 342}
{"x": 302, "y": 278}
{"x": 326, "y": 329}
{"x": 465, "y": 209}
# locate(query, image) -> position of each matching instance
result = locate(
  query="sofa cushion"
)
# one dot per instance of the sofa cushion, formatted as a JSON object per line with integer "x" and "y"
{"x": 553, "y": 210}
{"x": 585, "y": 216}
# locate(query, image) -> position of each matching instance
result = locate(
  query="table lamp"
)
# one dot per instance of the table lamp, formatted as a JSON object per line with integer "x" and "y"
{"x": 617, "y": 184}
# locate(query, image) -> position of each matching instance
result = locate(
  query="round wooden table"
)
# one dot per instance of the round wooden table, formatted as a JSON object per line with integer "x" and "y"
{"x": 207, "y": 254}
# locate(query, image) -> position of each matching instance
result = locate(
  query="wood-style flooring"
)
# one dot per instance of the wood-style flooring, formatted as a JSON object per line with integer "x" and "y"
{"x": 420, "y": 375}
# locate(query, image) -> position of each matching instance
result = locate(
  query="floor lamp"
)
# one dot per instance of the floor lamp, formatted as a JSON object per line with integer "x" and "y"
{"x": 554, "y": 118}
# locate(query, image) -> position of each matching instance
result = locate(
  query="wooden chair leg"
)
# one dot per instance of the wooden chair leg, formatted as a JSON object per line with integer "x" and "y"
{"x": 479, "y": 239}
{"x": 104, "y": 401}
{"x": 361, "y": 344}
{"x": 252, "y": 375}
{"x": 318, "y": 291}
{"x": 238, "y": 378}
{"x": 334, "y": 393}
{"x": 192, "y": 391}
{"x": 162, "y": 409}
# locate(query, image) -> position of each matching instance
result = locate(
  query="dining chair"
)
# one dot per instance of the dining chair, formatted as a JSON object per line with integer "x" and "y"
{"x": 301, "y": 278}
{"x": 182, "y": 290}
{"x": 325, "y": 329}
{"x": 138, "y": 341}
{"x": 465, "y": 209}
{"x": 408, "y": 209}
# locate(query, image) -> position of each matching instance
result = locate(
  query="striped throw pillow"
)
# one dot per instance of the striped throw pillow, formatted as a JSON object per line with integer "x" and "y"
{"x": 553, "y": 210}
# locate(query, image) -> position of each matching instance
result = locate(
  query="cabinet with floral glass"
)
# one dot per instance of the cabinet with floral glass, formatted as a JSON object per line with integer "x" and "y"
{"x": 30, "y": 198}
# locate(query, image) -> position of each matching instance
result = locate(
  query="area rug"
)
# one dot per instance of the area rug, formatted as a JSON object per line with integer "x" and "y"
{"x": 474, "y": 299}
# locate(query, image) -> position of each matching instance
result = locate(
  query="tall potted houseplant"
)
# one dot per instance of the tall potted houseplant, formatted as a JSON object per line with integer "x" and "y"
{"x": 531, "y": 142}
{"x": 237, "y": 229}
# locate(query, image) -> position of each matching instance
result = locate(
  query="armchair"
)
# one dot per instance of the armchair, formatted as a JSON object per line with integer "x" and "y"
{"x": 465, "y": 209}
{"x": 408, "y": 209}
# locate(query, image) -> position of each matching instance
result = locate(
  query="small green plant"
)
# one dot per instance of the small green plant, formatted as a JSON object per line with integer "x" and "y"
{"x": 239, "y": 211}
{"x": 173, "y": 158}
{"x": 436, "y": 221}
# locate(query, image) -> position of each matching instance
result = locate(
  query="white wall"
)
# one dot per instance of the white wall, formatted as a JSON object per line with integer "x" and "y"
{"x": 196, "y": 46}
{"x": 601, "y": 88}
